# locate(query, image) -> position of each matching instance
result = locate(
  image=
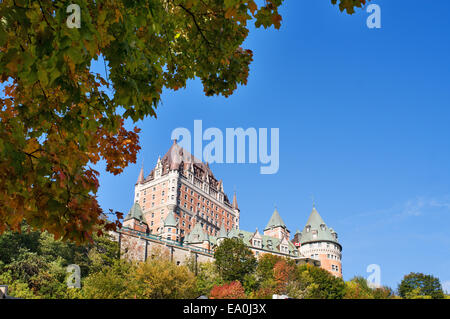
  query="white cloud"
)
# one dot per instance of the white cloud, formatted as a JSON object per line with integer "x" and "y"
{"x": 419, "y": 206}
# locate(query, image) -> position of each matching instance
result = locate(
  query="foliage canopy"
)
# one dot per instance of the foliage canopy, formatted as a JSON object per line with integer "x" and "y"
{"x": 234, "y": 260}
{"x": 57, "y": 118}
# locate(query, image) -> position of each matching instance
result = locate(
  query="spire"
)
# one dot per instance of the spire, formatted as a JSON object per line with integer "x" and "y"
{"x": 275, "y": 220}
{"x": 235, "y": 204}
{"x": 141, "y": 174}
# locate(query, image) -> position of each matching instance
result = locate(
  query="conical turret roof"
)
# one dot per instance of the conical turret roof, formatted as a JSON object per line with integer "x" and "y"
{"x": 197, "y": 234}
{"x": 222, "y": 232}
{"x": 134, "y": 212}
{"x": 275, "y": 221}
{"x": 170, "y": 220}
{"x": 316, "y": 229}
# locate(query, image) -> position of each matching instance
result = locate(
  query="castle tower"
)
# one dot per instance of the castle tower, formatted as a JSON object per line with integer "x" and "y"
{"x": 134, "y": 219}
{"x": 170, "y": 229}
{"x": 276, "y": 227}
{"x": 320, "y": 242}
{"x": 183, "y": 185}
{"x": 198, "y": 238}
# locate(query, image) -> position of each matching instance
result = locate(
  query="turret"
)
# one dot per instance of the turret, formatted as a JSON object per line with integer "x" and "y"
{"x": 198, "y": 237}
{"x": 276, "y": 227}
{"x": 134, "y": 219}
{"x": 170, "y": 230}
{"x": 320, "y": 242}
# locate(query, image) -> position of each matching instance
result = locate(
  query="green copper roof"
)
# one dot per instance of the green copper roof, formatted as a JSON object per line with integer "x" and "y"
{"x": 275, "y": 220}
{"x": 271, "y": 244}
{"x": 222, "y": 232}
{"x": 170, "y": 220}
{"x": 197, "y": 235}
{"x": 134, "y": 212}
{"x": 316, "y": 230}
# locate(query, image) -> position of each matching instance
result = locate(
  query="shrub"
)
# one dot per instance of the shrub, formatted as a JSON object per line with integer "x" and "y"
{"x": 233, "y": 290}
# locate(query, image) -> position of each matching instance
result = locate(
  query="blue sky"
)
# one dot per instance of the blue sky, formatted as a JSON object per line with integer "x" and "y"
{"x": 364, "y": 127}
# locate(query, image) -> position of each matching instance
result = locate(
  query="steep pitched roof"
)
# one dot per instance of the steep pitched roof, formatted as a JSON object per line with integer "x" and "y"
{"x": 222, "y": 232}
{"x": 170, "y": 220}
{"x": 177, "y": 158}
{"x": 235, "y": 204}
{"x": 318, "y": 230}
{"x": 197, "y": 235}
{"x": 275, "y": 221}
{"x": 141, "y": 176}
{"x": 271, "y": 244}
{"x": 134, "y": 212}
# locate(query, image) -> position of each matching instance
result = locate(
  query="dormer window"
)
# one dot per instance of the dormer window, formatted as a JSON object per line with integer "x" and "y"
{"x": 257, "y": 243}
{"x": 314, "y": 233}
{"x": 308, "y": 228}
{"x": 322, "y": 226}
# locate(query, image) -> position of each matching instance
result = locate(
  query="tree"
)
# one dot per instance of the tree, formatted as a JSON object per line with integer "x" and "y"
{"x": 207, "y": 277}
{"x": 350, "y": 5}
{"x": 322, "y": 284}
{"x": 159, "y": 278}
{"x": 234, "y": 259}
{"x": 418, "y": 285}
{"x": 283, "y": 273}
{"x": 383, "y": 293}
{"x": 358, "y": 288}
{"x": 57, "y": 117}
{"x": 266, "y": 262}
{"x": 233, "y": 290}
{"x": 33, "y": 264}
{"x": 112, "y": 282}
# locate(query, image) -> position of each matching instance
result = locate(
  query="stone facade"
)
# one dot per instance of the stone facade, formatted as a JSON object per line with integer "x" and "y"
{"x": 138, "y": 246}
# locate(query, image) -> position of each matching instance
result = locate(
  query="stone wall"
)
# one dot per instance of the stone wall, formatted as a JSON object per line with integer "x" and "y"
{"x": 139, "y": 248}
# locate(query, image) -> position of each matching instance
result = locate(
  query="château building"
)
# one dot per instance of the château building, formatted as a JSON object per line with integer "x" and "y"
{"x": 183, "y": 207}
{"x": 182, "y": 188}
